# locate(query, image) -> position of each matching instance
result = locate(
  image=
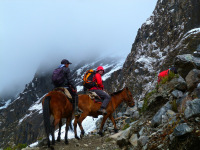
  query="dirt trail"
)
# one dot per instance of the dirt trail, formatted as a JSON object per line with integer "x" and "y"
{"x": 89, "y": 142}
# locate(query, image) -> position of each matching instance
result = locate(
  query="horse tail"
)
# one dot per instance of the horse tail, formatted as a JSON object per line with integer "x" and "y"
{"x": 46, "y": 115}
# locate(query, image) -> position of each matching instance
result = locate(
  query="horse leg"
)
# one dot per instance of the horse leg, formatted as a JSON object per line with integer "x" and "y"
{"x": 59, "y": 132}
{"x": 102, "y": 124}
{"x": 52, "y": 133}
{"x": 81, "y": 118}
{"x": 46, "y": 117}
{"x": 68, "y": 121}
{"x": 55, "y": 122}
{"x": 75, "y": 126}
{"x": 113, "y": 121}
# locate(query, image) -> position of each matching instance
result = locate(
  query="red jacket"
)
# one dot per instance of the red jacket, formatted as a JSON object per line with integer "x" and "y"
{"x": 162, "y": 75}
{"x": 97, "y": 78}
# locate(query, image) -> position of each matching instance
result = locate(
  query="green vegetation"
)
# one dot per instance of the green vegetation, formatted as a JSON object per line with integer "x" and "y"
{"x": 126, "y": 126}
{"x": 132, "y": 120}
{"x": 40, "y": 138}
{"x": 146, "y": 98}
{"x": 8, "y": 148}
{"x": 17, "y": 147}
{"x": 108, "y": 139}
{"x": 174, "y": 106}
{"x": 170, "y": 76}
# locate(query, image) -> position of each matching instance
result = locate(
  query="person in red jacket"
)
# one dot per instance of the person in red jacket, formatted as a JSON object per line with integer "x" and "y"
{"x": 98, "y": 89}
{"x": 165, "y": 73}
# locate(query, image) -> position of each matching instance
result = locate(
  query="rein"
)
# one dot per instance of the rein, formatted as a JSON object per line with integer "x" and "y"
{"x": 129, "y": 102}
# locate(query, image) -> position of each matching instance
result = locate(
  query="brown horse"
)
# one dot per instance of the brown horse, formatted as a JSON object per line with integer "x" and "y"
{"x": 89, "y": 108}
{"x": 56, "y": 103}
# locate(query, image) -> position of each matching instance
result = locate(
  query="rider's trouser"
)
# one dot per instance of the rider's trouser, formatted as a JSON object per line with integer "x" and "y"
{"x": 106, "y": 97}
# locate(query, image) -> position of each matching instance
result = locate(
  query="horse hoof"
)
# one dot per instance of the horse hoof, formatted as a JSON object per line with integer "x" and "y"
{"x": 77, "y": 137}
{"x": 100, "y": 133}
{"x": 58, "y": 140}
{"x": 116, "y": 130}
{"x": 83, "y": 132}
{"x": 81, "y": 135}
{"x": 66, "y": 142}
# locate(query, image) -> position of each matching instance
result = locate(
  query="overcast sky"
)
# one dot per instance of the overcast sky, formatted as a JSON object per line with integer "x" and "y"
{"x": 35, "y": 30}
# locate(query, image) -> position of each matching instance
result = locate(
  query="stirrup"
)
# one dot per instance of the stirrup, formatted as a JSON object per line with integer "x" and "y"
{"x": 102, "y": 110}
{"x": 78, "y": 112}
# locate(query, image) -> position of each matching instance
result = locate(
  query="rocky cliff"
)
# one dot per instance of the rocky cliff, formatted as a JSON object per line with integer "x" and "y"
{"x": 171, "y": 30}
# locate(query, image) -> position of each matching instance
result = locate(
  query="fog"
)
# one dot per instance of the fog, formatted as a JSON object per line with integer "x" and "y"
{"x": 35, "y": 30}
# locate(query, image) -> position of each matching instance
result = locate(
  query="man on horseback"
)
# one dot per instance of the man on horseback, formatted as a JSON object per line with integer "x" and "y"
{"x": 98, "y": 89}
{"x": 67, "y": 82}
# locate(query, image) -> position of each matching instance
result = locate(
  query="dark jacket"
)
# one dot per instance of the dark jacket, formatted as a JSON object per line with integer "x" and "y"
{"x": 68, "y": 79}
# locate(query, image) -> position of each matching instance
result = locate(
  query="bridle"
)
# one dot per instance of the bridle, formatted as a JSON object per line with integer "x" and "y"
{"x": 129, "y": 97}
{"x": 123, "y": 100}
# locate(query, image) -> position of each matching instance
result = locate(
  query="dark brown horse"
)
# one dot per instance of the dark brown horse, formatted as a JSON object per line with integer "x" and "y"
{"x": 89, "y": 108}
{"x": 56, "y": 103}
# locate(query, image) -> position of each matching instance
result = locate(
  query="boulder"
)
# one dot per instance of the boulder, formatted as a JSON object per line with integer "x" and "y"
{"x": 115, "y": 136}
{"x": 196, "y": 92}
{"x": 177, "y": 93}
{"x": 180, "y": 84}
{"x": 136, "y": 115}
{"x": 192, "y": 108}
{"x": 196, "y": 54}
{"x": 185, "y": 63}
{"x": 182, "y": 129}
{"x": 30, "y": 148}
{"x": 143, "y": 140}
{"x": 134, "y": 140}
{"x": 129, "y": 111}
{"x": 157, "y": 119}
{"x": 192, "y": 79}
{"x": 140, "y": 104}
{"x": 181, "y": 102}
{"x": 123, "y": 139}
{"x": 170, "y": 113}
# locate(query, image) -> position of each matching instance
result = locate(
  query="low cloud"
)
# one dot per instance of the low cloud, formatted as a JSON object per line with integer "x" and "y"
{"x": 34, "y": 31}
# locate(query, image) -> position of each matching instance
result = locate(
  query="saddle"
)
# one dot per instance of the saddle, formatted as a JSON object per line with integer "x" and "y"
{"x": 64, "y": 91}
{"x": 94, "y": 97}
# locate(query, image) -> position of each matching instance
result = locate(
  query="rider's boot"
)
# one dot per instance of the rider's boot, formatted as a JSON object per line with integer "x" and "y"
{"x": 77, "y": 111}
{"x": 102, "y": 111}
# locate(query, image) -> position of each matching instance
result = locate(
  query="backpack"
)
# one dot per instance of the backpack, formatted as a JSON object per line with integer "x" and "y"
{"x": 88, "y": 79}
{"x": 58, "y": 77}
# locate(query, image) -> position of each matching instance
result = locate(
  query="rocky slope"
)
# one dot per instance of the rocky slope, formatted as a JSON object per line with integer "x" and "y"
{"x": 168, "y": 32}
{"x": 169, "y": 118}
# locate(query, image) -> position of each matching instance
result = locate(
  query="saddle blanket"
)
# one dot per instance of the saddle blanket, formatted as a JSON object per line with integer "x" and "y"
{"x": 64, "y": 90}
{"x": 95, "y": 97}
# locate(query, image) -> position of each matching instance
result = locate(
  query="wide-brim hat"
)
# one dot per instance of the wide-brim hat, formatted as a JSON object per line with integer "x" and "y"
{"x": 65, "y": 61}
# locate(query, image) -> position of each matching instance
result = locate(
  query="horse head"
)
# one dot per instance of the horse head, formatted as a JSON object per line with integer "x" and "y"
{"x": 128, "y": 98}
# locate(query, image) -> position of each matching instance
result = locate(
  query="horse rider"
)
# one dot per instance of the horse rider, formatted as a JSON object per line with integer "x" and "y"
{"x": 98, "y": 89}
{"x": 69, "y": 83}
{"x": 165, "y": 73}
